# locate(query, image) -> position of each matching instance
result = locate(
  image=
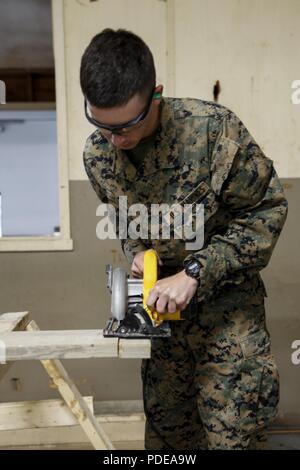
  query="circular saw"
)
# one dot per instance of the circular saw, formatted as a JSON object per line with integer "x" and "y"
{"x": 130, "y": 315}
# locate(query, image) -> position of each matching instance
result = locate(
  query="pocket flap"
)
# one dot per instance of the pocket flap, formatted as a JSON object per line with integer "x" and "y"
{"x": 256, "y": 343}
{"x": 223, "y": 156}
{"x": 196, "y": 194}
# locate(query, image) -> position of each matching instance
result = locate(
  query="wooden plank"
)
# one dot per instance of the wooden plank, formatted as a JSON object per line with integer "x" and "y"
{"x": 119, "y": 445}
{"x": 123, "y": 429}
{"x": 71, "y": 344}
{"x": 13, "y": 321}
{"x": 74, "y": 401}
{"x": 118, "y": 407}
{"x": 134, "y": 348}
{"x": 62, "y": 344}
{"x": 37, "y": 414}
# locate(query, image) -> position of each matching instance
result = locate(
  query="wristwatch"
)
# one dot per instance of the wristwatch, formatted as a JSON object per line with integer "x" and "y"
{"x": 192, "y": 268}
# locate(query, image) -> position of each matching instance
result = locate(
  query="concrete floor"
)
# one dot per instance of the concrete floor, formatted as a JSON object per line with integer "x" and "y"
{"x": 284, "y": 442}
{"x": 276, "y": 442}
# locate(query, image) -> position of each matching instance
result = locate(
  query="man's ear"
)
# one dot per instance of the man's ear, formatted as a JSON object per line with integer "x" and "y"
{"x": 158, "y": 93}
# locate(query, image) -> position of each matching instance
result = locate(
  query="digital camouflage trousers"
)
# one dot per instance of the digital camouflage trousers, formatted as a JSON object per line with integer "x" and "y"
{"x": 214, "y": 383}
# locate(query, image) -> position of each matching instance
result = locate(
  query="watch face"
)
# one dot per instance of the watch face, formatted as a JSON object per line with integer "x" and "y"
{"x": 193, "y": 268}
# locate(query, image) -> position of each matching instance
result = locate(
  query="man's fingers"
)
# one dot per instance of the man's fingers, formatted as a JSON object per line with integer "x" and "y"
{"x": 136, "y": 273}
{"x": 182, "y": 303}
{"x": 136, "y": 269}
{"x": 161, "y": 304}
{"x": 152, "y": 298}
{"x": 172, "y": 307}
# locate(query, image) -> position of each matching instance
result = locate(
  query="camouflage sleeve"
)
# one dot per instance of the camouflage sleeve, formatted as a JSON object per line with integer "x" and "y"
{"x": 129, "y": 247}
{"x": 245, "y": 183}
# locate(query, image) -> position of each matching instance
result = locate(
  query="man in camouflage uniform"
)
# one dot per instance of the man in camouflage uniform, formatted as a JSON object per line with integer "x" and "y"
{"x": 214, "y": 383}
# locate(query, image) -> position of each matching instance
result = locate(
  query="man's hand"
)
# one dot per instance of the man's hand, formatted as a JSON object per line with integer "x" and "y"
{"x": 172, "y": 293}
{"x": 137, "y": 267}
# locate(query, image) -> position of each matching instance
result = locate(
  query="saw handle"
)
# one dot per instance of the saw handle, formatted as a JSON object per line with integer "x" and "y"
{"x": 150, "y": 278}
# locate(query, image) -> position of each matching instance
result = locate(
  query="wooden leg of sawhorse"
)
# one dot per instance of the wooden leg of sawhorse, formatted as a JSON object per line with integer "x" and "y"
{"x": 74, "y": 400}
{"x": 18, "y": 321}
{"x": 15, "y": 321}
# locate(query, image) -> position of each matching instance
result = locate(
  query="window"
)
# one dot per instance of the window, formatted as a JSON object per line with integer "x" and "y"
{"x": 34, "y": 186}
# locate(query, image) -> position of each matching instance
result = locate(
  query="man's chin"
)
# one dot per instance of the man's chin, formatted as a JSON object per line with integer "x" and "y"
{"x": 128, "y": 146}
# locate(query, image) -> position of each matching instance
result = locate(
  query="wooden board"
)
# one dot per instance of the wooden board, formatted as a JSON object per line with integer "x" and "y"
{"x": 118, "y": 432}
{"x": 37, "y": 414}
{"x": 71, "y": 344}
{"x": 71, "y": 435}
{"x": 11, "y": 322}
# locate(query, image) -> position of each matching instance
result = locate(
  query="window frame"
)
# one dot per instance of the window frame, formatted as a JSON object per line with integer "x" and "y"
{"x": 62, "y": 242}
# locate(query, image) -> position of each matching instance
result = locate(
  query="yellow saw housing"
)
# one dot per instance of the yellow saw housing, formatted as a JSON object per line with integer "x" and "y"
{"x": 150, "y": 278}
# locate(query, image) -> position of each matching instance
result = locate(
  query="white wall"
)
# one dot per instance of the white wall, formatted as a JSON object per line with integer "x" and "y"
{"x": 250, "y": 46}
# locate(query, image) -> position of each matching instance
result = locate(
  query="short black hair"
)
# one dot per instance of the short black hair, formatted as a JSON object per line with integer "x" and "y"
{"x": 115, "y": 66}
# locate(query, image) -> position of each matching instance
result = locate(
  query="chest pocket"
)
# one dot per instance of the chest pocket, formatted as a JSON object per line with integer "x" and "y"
{"x": 198, "y": 206}
{"x": 223, "y": 157}
{"x": 202, "y": 194}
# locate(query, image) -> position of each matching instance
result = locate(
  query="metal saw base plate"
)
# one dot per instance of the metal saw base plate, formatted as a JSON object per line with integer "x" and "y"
{"x": 136, "y": 324}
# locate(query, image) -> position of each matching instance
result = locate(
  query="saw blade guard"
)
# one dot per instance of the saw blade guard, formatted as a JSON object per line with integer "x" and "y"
{"x": 119, "y": 294}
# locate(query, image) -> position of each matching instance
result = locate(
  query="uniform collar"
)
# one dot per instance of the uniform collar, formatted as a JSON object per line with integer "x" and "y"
{"x": 163, "y": 154}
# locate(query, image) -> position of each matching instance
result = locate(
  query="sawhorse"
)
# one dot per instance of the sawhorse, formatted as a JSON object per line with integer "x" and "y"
{"x": 21, "y": 339}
